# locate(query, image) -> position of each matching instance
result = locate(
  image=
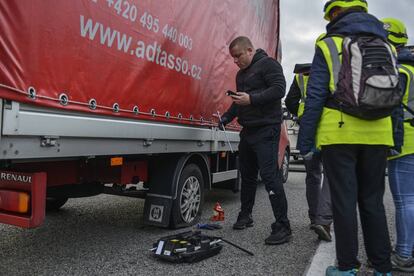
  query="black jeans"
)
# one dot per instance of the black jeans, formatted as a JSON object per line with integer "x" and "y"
{"x": 258, "y": 150}
{"x": 356, "y": 175}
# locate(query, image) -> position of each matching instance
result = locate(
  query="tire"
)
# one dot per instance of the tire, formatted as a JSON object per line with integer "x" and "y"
{"x": 188, "y": 205}
{"x": 284, "y": 170}
{"x": 55, "y": 203}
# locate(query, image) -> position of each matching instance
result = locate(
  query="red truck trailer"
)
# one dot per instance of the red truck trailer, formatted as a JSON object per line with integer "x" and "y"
{"x": 120, "y": 97}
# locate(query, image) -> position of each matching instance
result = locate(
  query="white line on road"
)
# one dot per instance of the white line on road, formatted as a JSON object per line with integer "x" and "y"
{"x": 324, "y": 257}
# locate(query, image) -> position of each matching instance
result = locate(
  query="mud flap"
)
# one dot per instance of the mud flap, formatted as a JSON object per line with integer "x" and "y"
{"x": 162, "y": 189}
{"x": 160, "y": 207}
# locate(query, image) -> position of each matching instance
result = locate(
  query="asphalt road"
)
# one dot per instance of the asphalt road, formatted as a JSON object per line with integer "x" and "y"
{"x": 104, "y": 235}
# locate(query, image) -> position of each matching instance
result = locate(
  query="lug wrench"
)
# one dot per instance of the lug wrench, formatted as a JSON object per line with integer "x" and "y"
{"x": 235, "y": 245}
{"x": 225, "y": 133}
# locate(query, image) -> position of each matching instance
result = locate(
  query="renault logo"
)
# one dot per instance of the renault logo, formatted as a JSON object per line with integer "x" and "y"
{"x": 155, "y": 213}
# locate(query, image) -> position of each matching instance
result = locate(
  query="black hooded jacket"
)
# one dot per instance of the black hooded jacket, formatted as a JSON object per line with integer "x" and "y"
{"x": 264, "y": 81}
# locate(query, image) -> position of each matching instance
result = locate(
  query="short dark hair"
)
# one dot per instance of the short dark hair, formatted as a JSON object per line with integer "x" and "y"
{"x": 242, "y": 41}
{"x": 356, "y": 9}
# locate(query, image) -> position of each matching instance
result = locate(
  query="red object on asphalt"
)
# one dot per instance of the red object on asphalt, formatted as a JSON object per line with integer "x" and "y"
{"x": 218, "y": 213}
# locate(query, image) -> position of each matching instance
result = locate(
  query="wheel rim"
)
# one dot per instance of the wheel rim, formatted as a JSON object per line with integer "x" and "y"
{"x": 285, "y": 166}
{"x": 190, "y": 199}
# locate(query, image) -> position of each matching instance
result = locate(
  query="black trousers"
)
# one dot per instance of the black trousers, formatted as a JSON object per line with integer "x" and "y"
{"x": 356, "y": 175}
{"x": 258, "y": 150}
{"x": 318, "y": 193}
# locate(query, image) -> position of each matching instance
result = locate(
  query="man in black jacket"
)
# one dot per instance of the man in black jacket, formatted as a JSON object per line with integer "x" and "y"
{"x": 257, "y": 104}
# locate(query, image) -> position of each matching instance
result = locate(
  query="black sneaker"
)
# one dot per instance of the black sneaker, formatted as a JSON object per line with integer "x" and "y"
{"x": 402, "y": 264}
{"x": 280, "y": 234}
{"x": 243, "y": 222}
{"x": 323, "y": 232}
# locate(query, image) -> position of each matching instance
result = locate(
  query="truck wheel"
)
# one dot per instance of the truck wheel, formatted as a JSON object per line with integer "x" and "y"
{"x": 284, "y": 170}
{"x": 54, "y": 203}
{"x": 188, "y": 205}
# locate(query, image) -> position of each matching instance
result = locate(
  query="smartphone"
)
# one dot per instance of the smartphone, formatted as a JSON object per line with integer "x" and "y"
{"x": 231, "y": 93}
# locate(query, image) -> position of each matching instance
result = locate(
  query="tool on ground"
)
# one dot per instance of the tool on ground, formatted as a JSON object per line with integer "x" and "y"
{"x": 188, "y": 247}
{"x": 209, "y": 226}
{"x": 237, "y": 246}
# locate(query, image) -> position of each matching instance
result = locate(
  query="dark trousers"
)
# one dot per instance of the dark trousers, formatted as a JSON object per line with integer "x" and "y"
{"x": 317, "y": 192}
{"x": 258, "y": 150}
{"x": 356, "y": 175}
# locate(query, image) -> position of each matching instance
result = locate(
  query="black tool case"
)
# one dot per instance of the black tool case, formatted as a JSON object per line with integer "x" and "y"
{"x": 187, "y": 247}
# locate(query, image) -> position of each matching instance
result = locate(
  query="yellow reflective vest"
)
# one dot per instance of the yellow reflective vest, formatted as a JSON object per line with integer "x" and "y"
{"x": 408, "y": 100}
{"x": 354, "y": 130}
{"x": 302, "y": 81}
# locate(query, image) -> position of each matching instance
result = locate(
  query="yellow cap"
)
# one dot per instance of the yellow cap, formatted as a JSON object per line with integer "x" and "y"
{"x": 397, "y": 33}
{"x": 343, "y": 4}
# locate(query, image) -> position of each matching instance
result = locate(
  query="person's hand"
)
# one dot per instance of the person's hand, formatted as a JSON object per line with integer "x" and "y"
{"x": 308, "y": 156}
{"x": 394, "y": 151}
{"x": 222, "y": 123}
{"x": 242, "y": 98}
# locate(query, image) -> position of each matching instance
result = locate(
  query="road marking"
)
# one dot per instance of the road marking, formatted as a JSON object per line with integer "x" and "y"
{"x": 324, "y": 256}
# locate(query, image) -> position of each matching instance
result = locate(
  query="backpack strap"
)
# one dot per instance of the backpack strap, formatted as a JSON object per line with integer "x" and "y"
{"x": 336, "y": 62}
{"x": 408, "y": 109}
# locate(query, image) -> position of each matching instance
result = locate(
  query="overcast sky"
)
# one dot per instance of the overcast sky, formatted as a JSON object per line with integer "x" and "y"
{"x": 302, "y": 22}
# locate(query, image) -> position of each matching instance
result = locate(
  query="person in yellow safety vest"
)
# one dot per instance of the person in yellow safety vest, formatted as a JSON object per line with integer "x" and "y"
{"x": 302, "y": 81}
{"x": 317, "y": 195}
{"x": 295, "y": 99}
{"x": 354, "y": 154}
{"x": 401, "y": 165}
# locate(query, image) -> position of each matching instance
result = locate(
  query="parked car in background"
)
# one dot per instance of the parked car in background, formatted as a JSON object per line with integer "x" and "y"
{"x": 292, "y": 126}
{"x": 284, "y": 151}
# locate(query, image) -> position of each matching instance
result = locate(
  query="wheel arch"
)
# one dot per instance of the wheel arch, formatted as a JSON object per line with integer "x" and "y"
{"x": 165, "y": 172}
{"x": 193, "y": 158}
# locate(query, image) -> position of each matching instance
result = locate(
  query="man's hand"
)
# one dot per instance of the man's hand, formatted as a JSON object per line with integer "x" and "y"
{"x": 242, "y": 98}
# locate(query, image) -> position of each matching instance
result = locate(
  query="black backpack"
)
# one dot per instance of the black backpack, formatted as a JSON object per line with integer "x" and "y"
{"x": 368, "y": 80}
